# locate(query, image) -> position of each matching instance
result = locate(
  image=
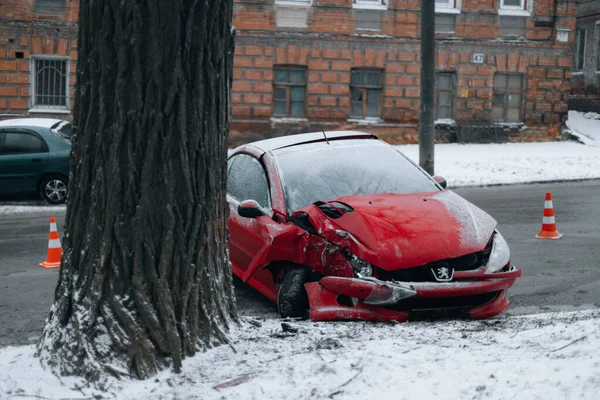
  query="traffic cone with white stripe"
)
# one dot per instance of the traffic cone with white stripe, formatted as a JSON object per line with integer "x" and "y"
{"x": 54, "y": 248}
{"x": 548, "y": 222}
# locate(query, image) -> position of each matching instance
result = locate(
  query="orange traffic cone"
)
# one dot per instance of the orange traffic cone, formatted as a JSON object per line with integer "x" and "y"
{"x": 54, "y": 248}
{"x": 548, "y": 222}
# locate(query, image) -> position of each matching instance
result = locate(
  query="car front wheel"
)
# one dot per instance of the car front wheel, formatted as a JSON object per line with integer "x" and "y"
{"x": 292, "y": 300}
{"x": 54, "y": 189}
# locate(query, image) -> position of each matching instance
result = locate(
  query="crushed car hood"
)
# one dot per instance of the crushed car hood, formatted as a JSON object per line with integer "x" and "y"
{"x": 402, "y": 231}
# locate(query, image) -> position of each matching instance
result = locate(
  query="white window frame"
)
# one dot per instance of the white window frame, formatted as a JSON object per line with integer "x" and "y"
{"x": 583, "y": 29}
{"x": 522, "y": 10}
{"x": 301, "y": 3}
{"x": 451, "y": 7}
{"x": 370, "y": 4}
{"x": 66, "y": 109}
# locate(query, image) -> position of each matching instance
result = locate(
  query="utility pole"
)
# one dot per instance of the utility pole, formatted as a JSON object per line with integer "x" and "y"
{"x": 427, "y": 124}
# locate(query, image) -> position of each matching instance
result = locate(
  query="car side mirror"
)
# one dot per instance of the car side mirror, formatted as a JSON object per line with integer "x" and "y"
{"x": 250, "y": 209}
{"x": 441, "y": 181}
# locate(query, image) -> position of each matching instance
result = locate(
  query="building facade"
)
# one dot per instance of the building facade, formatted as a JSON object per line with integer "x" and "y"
{"x": 586, "y": 65}
{"x": 503, "y": 67}
{"x": 306, "y": 65}
{"x": 38, "y": 55}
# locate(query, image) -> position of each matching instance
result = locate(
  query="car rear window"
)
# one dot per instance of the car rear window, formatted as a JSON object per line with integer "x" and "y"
{"x": 63, "y": 130}
{"x": 321, "y": 171}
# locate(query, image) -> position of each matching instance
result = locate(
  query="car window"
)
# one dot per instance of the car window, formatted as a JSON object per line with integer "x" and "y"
{"x": 63, "y": 130}
{"x": 247, "y": 180}
{"x": 22, "y": 143}
{"x": 319, "y": 171}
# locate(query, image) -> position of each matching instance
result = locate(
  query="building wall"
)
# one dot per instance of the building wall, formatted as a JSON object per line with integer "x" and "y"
{"x": 330, "y": 46}
{"x": 26, "y": 31}
{"x": 585, "y": 94}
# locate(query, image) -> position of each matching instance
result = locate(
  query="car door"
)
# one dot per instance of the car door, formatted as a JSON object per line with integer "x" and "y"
{"x": 247, "y": 180}
{"x": 23, "y": 159}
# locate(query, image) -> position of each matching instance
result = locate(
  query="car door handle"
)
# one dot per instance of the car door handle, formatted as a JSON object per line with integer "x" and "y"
{"x": 36, "y": 159}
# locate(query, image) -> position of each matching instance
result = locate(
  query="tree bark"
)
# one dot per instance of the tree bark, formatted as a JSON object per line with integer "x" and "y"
{"x": 145, "y": 279}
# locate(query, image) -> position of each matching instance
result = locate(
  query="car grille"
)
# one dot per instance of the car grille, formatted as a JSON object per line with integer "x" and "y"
{"x": 423, "y": 273}
{"x": 444, "y": 307}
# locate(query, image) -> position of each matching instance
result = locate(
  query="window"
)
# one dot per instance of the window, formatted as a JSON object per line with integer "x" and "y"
{"x": 289, "y": 89}
{"x": 445, "y": 23}
{"x": 22, "y": 143}
{"x": 448, "y": 6}
{"x": 368, "y": 20}
{"x": 365, "y": 92}
{"x": 370, "y": 4}
{"x": 50, "y": 82}
{"x": 444, "y": 97}
{"x": 512, "y": 4}
{"x": 292, "y": 17}
{"x": 49, "y": 7}
{"x": 580, "y": 45}
{"x": 508, "y": 98}
{"x": 247, "y": 180}
{"x": 512, "y": 25}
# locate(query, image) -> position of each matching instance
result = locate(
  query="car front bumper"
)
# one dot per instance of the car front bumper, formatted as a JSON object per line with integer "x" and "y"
{"x": 476, "y": 295}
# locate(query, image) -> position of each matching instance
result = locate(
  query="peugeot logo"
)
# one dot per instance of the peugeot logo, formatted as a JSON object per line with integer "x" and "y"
{"x": 442, "y": 273}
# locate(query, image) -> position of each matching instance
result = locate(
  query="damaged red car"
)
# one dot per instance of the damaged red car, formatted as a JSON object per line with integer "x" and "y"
{"x": 340, "y": 225}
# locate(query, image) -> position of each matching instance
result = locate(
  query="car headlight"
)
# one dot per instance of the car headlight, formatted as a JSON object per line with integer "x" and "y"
{"x": 500, "y": 255}
{"x": 361, "y": 268}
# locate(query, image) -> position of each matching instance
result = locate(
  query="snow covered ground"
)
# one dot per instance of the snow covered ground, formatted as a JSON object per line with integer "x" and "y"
{"x": 545, "y": 356}
{"x": 510, "y": 163}
{"x": 585, "y": 126}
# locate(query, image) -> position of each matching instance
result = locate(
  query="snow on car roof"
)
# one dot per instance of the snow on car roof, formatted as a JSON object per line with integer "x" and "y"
{"x": 35, "y": 122}
{"x": 302, "y": 138}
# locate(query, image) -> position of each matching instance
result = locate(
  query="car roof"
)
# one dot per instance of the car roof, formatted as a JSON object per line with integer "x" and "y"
{"x": 303, "y": 138}
{"x": 31, "y": 122}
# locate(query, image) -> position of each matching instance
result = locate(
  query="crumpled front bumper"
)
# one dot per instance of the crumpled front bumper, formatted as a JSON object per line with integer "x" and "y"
{"x": 326, "y": 304}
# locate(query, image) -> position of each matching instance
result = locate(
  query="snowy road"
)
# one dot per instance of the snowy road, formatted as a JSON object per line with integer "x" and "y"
{"x": 556, "y": 275}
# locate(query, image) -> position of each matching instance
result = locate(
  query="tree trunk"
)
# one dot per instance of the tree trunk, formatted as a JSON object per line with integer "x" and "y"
{"x": 145, "y": 280}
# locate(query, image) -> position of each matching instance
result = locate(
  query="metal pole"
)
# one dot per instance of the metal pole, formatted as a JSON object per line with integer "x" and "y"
{"x": 427, "y": 124}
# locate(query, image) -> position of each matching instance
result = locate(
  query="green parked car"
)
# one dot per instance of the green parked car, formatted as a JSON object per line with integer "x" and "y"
{"x": 34, "y": 157}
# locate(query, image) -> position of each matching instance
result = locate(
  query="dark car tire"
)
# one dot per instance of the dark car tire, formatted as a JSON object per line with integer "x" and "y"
{"x": 292, "y": 300}
{"x": 54, "y": 189}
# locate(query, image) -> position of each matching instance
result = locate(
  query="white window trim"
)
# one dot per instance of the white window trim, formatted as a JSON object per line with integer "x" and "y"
{"x": 575, "y": 70}
{"x": 448, "y": 9}
{"x": 370, "y": 5}
{"x": 32, "y": 83}
{"x": 524, "y": 10}
{"x": 597, "y": 39}
{"x": 297, "y": 3}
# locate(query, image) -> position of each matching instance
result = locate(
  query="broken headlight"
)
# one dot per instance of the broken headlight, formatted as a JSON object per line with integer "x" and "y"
{"x": 361, "y": 268}
{"x": 500, "y": 255}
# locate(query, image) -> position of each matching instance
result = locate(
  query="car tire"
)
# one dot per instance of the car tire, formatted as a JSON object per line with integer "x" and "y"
{"x": 54, "y": 189}
{"x": 292, "y": 300}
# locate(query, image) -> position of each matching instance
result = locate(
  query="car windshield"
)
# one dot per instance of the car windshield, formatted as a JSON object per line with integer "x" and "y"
{"x": 320, "y": 171}
{"x": 63, "y": 130}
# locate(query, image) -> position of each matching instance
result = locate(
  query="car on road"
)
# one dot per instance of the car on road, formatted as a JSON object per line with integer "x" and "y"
{"x": 34, "y": 157}
{"x": 341, "y": 225}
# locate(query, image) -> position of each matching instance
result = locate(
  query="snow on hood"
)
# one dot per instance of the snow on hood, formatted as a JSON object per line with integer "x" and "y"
{"x": 402, "y": 231}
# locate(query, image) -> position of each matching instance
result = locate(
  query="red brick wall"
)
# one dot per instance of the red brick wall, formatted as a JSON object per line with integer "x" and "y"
{"x": 21, "y": 32}
{"x": 330, "y": 47}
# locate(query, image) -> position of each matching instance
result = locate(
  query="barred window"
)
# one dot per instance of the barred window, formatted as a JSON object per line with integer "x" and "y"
{"x": 289, "y": 91}
{"x": 365, "y": 92}
{"x": 444, "y": 97}
{"x": 508, "y": 98}
{"x": 50, "y": 82}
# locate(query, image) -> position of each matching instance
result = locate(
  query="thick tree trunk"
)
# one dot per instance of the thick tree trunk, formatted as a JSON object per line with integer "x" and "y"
{"x": 144, "y": 280}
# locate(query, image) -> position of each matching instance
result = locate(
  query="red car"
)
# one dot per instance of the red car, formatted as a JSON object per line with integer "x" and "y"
{"x": 340, "y": 225}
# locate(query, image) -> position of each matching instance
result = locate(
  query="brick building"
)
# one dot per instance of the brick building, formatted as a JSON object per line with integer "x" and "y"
{"x": 38, "y": 53}
{"x": 503, "y": 67}
{"x": 586, "y": 67}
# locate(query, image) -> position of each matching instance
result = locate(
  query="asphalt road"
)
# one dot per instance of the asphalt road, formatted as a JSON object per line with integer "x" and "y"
{"x": 557, "y": 275}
